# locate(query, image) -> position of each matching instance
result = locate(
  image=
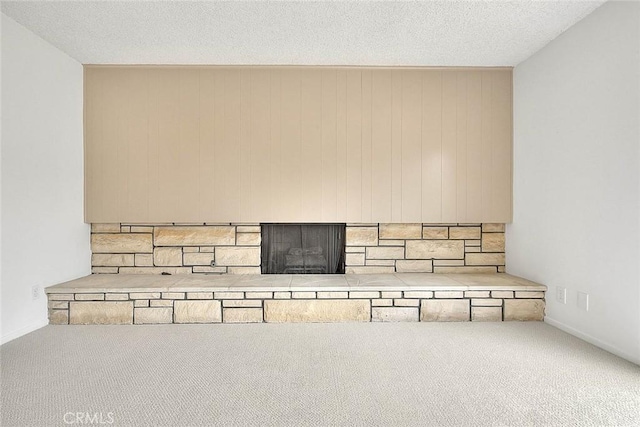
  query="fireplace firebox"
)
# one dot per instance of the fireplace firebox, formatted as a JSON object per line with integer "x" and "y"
{"x": 303, "y": 248}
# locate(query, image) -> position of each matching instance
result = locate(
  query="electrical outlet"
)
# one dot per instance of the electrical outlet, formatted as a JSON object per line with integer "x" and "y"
{"x": 561, "y": 295}
{"x": 583, "y": 301}
{"x": 35, "y": 292}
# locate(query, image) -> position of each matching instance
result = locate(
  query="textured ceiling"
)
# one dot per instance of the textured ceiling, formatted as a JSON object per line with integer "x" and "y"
{"x": 479, "y": 33}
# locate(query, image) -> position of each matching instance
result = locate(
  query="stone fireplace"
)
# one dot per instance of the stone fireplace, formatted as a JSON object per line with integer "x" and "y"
{"x": 235, "y": 248}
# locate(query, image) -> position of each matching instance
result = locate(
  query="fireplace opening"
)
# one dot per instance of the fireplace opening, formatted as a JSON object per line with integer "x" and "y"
{"x": 303, "y": 248}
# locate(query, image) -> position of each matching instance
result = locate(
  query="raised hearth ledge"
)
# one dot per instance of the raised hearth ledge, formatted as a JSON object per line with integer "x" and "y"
{"x": 405, "y": 297}
{"x": 294, "y": 282}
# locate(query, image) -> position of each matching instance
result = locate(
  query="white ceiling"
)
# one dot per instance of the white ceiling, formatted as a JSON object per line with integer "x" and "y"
{"x": 428, "y": 33}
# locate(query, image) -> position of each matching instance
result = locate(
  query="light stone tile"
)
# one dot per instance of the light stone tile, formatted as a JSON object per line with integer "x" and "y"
{"x": 104, "y": 270}
{"x": 248, "y": 239}
{"x": 197, "y": 258}
{"x": 472, "y": 243}
{"x": 242, "y": 303}
{"x": 60, "y": 297}
{"x": 101, "y": 313}
{"x": 486, "y": 314}
{"x": 161, "y": 303}
{"x": 369, "y": 270}
{"x": 238, "y": 256}
{"x": 391, "y": 243}
{"x": 194, "y": 235}
{"x": 379, "y": 302}
{"x": 385, "y": 252}
{"x": 242, "y": 315}
{"x": 298, "y": 295}
{"x": 189, "y": 311}
{"x": 89, "y": 297}
{"x": 476, "y": 294}
{"x": 391, "y": 294}
{"x": 501, "y": 269}
{"x": 381, "y": 262}
{"x": 125, "y": 229}
{"x": 435, "y": 233}
{"x": 464, "y": 232}
{"x": 471, "y": 249}
{"x": 141, "y": 303}
{"x": 105, "y": 228}
{"x": 492, "y": 228}
{"x": 244, "y": 270}
{"x": 418, "y": 294}
{"x": 502, "y": 294}
{"x": 199, "y": 295}
{"x": 361, "y": 236}
{"x": 443, "y": 310}
{"x": 394, "y": 314}
{"x": 207, "y": 249}
{"x": 58, "y": 317}
{"x": 228, "y": 295}
{"x": 143, "y": 260}
{"x": 59, "y": 305}
{"x": 281, "y": 295}
{"x": 153, "y": 316}
{"x": 364, "y": 294}
{"x": 448, "y": 294}
{"x": 333, "y": 295}
{"x": 401, "y": 231}
{"x": 111, "y": 260}
{"x": 486, "y": 302}
{"x": 464, "y": 270}
{"x": 406, "y": 302}
{"x": 121, "y": 243}
{"x": 167, "y": 257}
{"x": 492, "y": 242}
{"x": 414, "y": 266}
{"x": 145, "y": 295}
{"x": 485, "y": 259}
{"x": 354, "y": 259}
{"x": 529, "y": 294}
{"x": 190, "y": 249}
{"x": 354, "y": 249}
{"x": 258, "y": 295}
{"x": 524, "y": 309}
{"x": 286, "y": 311}
{"x": 448, "y": 262}
{"x": 435, "y": 249}
{"x": 139, "y": 229}
{"x": 173, "y": 295}
{"x": 248, "y": 229}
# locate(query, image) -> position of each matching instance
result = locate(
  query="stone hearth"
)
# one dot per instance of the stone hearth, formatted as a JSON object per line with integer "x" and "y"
{"x": 410, "y": 297}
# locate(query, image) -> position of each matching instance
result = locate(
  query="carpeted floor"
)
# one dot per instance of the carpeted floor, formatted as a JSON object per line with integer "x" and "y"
{"x": 404, "y": 374}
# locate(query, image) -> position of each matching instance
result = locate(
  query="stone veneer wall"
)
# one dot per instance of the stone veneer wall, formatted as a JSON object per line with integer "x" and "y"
{"x": 235, "y": 248}
{"x": 121, "y": 307}
{"x": 425, "y": 248}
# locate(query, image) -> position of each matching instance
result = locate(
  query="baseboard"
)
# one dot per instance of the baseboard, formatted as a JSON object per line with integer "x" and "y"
{"x": 23, "y": 331}
{"x": 592, "y": 340}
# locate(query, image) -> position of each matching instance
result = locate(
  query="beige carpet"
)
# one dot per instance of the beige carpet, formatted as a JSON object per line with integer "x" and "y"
{"x": 425, "y": 374}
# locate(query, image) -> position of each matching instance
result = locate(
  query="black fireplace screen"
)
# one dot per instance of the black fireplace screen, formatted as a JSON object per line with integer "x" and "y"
{"x": 303, "y": 248}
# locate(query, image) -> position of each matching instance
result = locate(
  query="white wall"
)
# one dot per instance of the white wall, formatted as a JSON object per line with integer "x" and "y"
{"x": 44, "y": 239}
{"x": 576, "y": 183}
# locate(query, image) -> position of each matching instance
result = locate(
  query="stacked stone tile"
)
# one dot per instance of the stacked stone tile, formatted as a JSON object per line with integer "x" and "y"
{"x": 235, "y": 248}
{"x": 200, "y": 306}
{"x": 175, "y": 249}
{"x": 425, "y": 248}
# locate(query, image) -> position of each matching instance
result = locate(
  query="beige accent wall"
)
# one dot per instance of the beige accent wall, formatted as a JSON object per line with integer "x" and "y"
{"x": 280, "y": 144}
